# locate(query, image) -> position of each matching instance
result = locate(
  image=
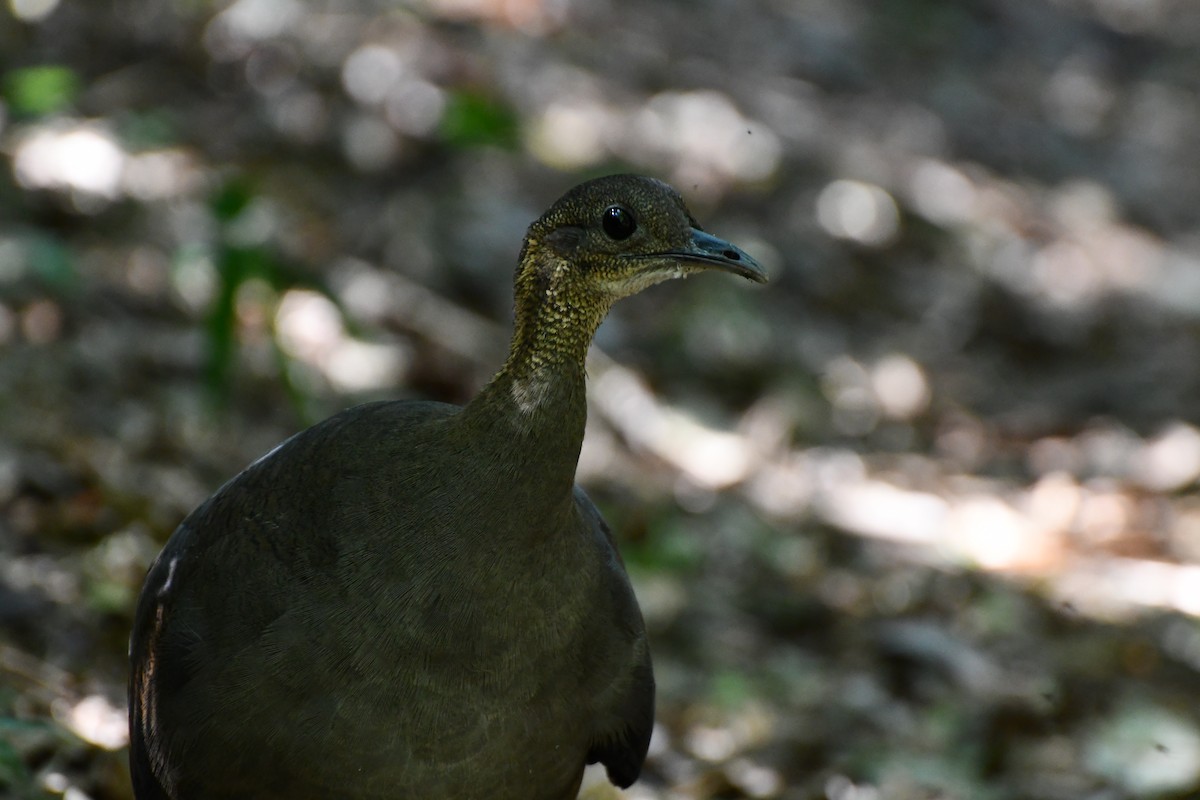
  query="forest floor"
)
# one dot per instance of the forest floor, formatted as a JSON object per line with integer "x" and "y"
{"x": 919, "y": 519}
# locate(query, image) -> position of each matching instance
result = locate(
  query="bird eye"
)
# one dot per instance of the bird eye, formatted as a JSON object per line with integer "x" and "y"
{"x": 618, "y": 223}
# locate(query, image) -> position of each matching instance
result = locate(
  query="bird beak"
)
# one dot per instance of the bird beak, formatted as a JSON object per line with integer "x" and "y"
{"x": 709, "y": 251}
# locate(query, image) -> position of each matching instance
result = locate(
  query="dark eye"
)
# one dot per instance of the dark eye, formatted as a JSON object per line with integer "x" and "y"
{"x": 618, "y": 223}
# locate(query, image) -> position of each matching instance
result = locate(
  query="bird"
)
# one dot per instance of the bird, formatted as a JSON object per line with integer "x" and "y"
{"x": 413, "y": 599}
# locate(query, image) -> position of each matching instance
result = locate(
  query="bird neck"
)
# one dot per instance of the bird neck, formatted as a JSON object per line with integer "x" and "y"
{"x": 535, "y": 407}
{"x": 555, "y": 315}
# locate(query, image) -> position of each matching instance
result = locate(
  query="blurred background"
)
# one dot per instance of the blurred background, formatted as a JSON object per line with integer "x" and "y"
{"x": 918, "y": 519}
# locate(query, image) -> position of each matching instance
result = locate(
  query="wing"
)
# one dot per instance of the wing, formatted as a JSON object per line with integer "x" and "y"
{"x": 145, "y": 784}
{"x": 622, "y": 739}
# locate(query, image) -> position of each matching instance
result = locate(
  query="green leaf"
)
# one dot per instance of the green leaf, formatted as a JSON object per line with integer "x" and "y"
{"x": 37, "y": 91}
{"x": 50, "y": 260}
{"x": 231, "y": 199}
{"x": 235, "y": 266}
{"x": 670, "y": 546}
{"x": 14, "y": 775}
{"x": 473, "y": 119}
{"x": 730, "y": 689}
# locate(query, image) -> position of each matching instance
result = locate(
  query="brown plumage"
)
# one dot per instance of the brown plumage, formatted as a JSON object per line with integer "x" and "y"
{"x": 413, "y": 600}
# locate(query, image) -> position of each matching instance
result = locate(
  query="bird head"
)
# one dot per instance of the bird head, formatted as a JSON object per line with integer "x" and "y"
{"x": 606, "y": 239}
{"x": 612, "y": 237}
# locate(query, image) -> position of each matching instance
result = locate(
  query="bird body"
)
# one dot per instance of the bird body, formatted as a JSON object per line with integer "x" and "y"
{"x": 413, "y": 600}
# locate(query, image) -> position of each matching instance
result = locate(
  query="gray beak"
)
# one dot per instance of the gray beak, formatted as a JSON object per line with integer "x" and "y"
{"x": 709, "y": 251}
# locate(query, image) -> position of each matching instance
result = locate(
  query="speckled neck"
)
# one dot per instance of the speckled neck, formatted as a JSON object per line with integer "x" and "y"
{"x": 535, "y": 407}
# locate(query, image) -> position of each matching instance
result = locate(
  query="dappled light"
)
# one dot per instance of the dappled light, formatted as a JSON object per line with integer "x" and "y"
{"x": 81, "y": 158}
{"x": 310, "y": 330}
{"x": 97, "y": 721}
{"x": 919, "y": 518}
{"x": 858, "y": 211}
{"x": 32, "y": 10}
